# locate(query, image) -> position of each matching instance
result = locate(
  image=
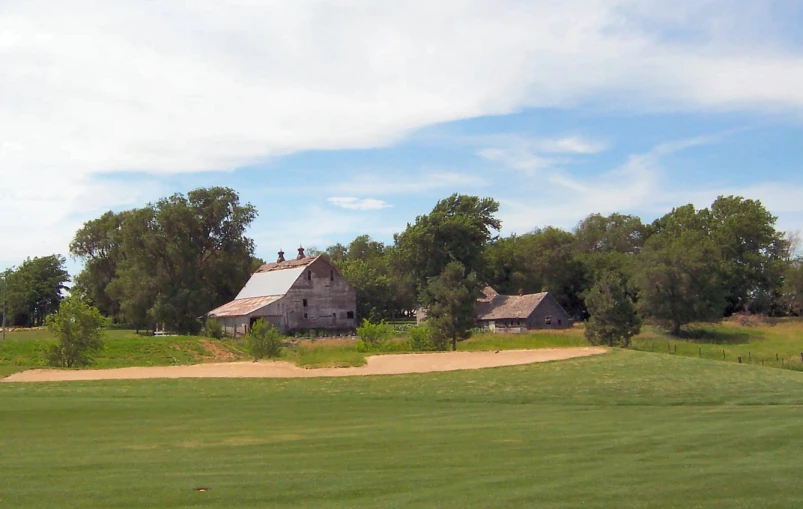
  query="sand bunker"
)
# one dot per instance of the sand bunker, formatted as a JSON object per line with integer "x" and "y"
{"x": 377, "y": 365}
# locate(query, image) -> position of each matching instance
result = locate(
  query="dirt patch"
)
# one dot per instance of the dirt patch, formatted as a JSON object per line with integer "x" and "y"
{"x": 218, "y": 353}
{"x": 376, "y": 365}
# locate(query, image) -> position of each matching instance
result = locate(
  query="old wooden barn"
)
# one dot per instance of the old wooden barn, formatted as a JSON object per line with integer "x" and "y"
{"x": 300, "y": 294}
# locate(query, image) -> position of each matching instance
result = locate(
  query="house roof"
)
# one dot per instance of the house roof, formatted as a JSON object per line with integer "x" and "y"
{"x": 501, "y": 307}
{"x": 242, "y": 307}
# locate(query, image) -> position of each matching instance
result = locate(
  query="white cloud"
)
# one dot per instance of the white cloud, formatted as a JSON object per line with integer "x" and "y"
{"x": 571, "y": 145}
{"x": 167, "y": 87}
{"x": 534, "y": 155}
{"x": 423, "y": 182}
{"x": 353, "y": 203}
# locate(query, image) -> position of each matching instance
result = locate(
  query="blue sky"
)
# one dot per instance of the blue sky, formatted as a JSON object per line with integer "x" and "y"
{"x": 337, "y": 119}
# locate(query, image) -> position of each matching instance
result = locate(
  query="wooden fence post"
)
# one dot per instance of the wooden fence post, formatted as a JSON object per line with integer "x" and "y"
{"x": 739, "y": 359}
{"x": 723, "y": 354}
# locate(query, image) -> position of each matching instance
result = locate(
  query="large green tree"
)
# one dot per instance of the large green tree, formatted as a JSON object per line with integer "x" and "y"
{"x": 35, "y": 289}
{"x": 99, "y": 245}
{"x": 752, "y": 255}
{"x": 451, "y": 298}
{"x": 678, "y": 280}
{"x": 457, "y": 230}
{"x": 182, "y": 256}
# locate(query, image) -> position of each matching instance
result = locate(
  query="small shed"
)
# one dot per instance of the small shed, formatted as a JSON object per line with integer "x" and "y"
{"x": 518, "y": 313}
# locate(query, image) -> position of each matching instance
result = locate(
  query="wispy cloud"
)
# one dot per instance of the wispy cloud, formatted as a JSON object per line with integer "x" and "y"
{"x": 365, "y": 184}
{"x": 532, "y": 155}
{"x": 353, "y": 203}
{"x": 636, "y": 185}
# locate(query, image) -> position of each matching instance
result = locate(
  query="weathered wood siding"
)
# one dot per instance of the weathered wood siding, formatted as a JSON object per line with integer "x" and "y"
{"x": 549, "y": 308}
{"x": 331, "y": 303}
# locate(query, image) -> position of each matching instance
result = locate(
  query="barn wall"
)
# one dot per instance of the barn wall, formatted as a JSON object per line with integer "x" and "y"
{"x": 331, "y": 302}
{"x": 549, "y": 307}
{"x": 234, "y": 325}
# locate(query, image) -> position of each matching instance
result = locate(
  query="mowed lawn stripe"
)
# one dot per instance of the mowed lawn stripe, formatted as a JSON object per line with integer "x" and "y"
{"x": 626, "y": 430}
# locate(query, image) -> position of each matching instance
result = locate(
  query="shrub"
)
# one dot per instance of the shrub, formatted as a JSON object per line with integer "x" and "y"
{"x": 213, "y": 328}
{"x": 420, "y": 339}
{"x": 79, "y": 329}
{"x": 374, "y": 337}
{"x": 264, "y": 340}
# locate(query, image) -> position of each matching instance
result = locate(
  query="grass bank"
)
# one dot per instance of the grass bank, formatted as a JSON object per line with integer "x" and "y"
{"x": 774, "y": 345}
{"x": 625, "y": 430}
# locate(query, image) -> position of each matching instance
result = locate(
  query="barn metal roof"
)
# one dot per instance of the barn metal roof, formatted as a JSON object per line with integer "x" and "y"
{"x": 275, "y": 282}
{"x": 242, "y": 307}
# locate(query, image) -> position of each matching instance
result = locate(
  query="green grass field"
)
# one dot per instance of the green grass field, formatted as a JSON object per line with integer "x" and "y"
{"x": 623, "y": 430}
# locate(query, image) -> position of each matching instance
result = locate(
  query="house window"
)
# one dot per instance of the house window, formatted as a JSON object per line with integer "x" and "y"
{"x": 350, "y": 314}
{"x": 304, "y": 303}
{"x": 309, "y": 275}
{"x": 305, "y": 315}
{"x": 548, "y": 320}
{"x": 331, "y": 275}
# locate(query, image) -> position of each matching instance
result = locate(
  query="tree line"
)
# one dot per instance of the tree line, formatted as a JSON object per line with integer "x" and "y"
{"x": 172, "y": 261}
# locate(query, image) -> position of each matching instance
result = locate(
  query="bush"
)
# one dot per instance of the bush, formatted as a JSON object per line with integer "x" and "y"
{"x": 213, "y": 328}
{"x": 420, "y": 339}
{"x": 264, "y": 340}
{"x": 79, "y": 329}
{"x": 374, "y": 337}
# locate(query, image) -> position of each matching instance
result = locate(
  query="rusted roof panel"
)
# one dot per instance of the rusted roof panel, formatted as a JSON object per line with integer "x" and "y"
{"x": 503, "y": 307}
{"x": 242, "y": 307}
{"x": 289, "y": 264}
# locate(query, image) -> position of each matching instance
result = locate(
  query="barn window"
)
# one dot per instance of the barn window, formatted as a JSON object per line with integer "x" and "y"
{"x": 350, "y": 314}
{"x": 305, "y": 315}
{"x": 309, "y": 275}
{"x": 560, "y": 321}
{"x": 304, "y": 302}
{"x": 548, "y": 320}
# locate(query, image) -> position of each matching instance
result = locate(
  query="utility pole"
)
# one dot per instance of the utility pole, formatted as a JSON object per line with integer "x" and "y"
{"x": 4, "y": 306}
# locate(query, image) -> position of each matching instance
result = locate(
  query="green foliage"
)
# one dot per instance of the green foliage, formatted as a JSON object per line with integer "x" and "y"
{"x": 451, "y": 298}
{"x": 213, "y": 328}
{"x": 678, "y": 280}
{"x": 78, "y": 328}
{"x": 169, "y": 262}
{"x": 542, "y": 260}
{"x": 613, "y": 318}
{"x": 457, "y": 229}
{"x": 264, "y": 340}
{"x": 420, "y": 338}
{"x": 34, "y": 289}
{"x": 99, "y": 244}
{"x": 374, "y": 337}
